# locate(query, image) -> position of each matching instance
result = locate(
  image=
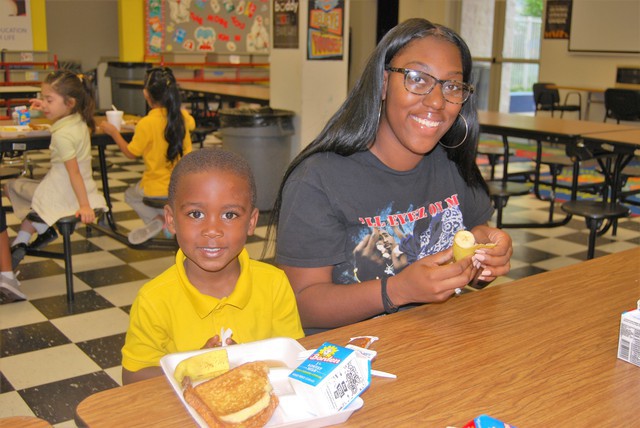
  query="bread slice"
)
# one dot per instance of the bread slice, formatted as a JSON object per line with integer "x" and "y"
{"x": 242, "y": 397}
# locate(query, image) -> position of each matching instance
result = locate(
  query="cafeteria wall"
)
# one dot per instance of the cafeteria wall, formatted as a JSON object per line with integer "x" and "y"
{"x": 82, "y": 31}
{"x": 562, "y": 67}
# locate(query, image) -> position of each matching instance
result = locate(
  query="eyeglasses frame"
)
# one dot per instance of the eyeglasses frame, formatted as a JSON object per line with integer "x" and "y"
{"x": 406, "y": 72}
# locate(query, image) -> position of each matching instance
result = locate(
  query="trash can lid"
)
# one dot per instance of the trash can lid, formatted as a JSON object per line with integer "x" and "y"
{"x": 252, "y": 117}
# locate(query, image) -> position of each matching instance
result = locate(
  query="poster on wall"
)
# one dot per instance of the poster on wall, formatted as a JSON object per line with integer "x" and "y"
{"x": 15, "y": 25}
{"x": 154, "y": 40}
{"x": 208, "y": 26}
{"x": 557, "y": 19}
{"x": 326, "y": 34}
{"x": 285, "y": 24}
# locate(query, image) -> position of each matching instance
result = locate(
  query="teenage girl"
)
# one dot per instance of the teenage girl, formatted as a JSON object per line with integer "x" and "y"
{"x": 68, "y": 188}
{"x": 162, "y": 137}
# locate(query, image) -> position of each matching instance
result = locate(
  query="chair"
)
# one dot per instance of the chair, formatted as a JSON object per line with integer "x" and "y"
{"x": 154, "y": 202}
{"x": 493, "y": 154}
{"x": 629, "y": 172}
{"x": 622, "y": 104}
{"x": 501, "y": 190}
{"x": 66, "y": 227}
{"x": 548, "y": 99}
{"x": 607, "y": 208}
{"x": 207, "y": 120}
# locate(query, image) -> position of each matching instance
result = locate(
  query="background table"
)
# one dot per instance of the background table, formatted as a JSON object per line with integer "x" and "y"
{"x": 230, "y": 92}
{"x": 541, "y": 129}
{"x": 590, "y": 90}
{"x": 538, "y": 352}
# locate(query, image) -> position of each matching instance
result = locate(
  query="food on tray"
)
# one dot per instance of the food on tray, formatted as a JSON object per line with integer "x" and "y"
{"x": 39, "y": 126}
{"x": 8, "y": 129}
{"x": 241, "y": 397}
{"x": 464, "y": 245}
{"x": 203, "y": 366}
{"x": 362, "y": 341}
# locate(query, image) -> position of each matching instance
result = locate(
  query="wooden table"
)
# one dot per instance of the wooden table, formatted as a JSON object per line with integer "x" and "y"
{"x": 23, "y": 422}
{"x": 537, "y": 352}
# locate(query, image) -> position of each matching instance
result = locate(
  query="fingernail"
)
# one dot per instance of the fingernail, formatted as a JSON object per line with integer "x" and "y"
{"x": 485, "y": 272}
{"x": 479, "y": 257}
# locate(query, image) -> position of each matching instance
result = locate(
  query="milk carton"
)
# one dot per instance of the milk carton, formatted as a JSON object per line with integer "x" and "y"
{"x": 629, "y": 341}
{"x": 331, "y": 378}
{"x": 23, "y": 116}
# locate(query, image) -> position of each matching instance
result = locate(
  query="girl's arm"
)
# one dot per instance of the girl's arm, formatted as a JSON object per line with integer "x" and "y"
{"x": 323, "y": 304}
{"x": 85, "y": 212}
{"x": 111, "y": 131}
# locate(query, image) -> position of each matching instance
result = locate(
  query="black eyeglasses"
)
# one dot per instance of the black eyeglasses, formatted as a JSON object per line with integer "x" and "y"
{"x": 421, "y": 83}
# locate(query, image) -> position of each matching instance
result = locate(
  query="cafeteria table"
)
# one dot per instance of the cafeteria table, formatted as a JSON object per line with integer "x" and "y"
{"x": 100, "y": 140}
{"x": 537, "y": 352}
{"x": 19, "y": 91}
{"x": 566, "y": 132}
{"x": 591, "y": 91}
{"x": 229, "y": 92}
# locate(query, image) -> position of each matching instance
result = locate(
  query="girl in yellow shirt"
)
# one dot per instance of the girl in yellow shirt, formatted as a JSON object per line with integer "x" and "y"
{"x": 161, "y": 138}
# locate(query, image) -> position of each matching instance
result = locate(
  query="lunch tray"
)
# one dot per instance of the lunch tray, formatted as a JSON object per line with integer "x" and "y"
{"x": 283, "y": 355}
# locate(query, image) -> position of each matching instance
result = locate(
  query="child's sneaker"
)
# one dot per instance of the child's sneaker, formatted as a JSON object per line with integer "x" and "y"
{"x": 10, "y": 290}
{"x": 18, "y": 252}
{"x": 148, "y": 231}
{"x": 43, "y": 239}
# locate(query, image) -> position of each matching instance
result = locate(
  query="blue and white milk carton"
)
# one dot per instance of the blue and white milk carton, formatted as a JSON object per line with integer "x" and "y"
{"x": 23, "y": 116}
{"x": 629, "y": 341}
{"x": 331, "y": 378}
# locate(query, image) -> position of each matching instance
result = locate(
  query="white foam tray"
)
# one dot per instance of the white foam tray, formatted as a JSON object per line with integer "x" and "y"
{"x": 292, "y": 409}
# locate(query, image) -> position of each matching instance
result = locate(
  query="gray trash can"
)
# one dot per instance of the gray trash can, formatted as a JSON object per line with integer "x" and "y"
{"x": 263, "y": 137}
{"x": 128, "y": 99}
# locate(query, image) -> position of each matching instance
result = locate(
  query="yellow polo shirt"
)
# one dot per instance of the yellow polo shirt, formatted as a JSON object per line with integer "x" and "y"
{"x": 149, "y": 143}
{"x": 170, "y": 315}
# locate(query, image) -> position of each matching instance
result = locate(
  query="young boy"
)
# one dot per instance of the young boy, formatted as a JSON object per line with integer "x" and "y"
{"x": 213, "y": 285}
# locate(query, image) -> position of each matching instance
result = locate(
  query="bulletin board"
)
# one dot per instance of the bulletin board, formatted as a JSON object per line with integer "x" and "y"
{"x": 207, "y": 26}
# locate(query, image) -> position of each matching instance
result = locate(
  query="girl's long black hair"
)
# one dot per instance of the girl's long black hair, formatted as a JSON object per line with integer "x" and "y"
{"x": 354, "y": 126}
{"x": 163, "y": 89}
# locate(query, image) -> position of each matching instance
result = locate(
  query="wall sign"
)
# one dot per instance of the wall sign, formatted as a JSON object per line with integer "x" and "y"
{"x": 15, "y": 25}
{"x": 285, "y": 24}
{"x": 326, "y": 30}
{"x": 558, "y": 19}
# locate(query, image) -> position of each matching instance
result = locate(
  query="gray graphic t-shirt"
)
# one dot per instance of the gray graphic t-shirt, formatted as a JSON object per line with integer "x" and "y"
{"x": 368, "y": 220}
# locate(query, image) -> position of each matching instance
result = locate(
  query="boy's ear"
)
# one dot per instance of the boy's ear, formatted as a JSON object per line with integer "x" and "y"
{"x": 253, "y": 221}
{"x": 168, "y": 219}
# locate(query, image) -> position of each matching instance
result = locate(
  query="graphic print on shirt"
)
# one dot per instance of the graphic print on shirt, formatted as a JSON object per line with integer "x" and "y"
{"x": 390, "y": 241}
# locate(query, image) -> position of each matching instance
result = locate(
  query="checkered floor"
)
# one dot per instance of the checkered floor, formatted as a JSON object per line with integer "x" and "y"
{"x": 53, "y": 356}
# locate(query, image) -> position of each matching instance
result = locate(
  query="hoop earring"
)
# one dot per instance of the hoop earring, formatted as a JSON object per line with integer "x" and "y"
{"x": 379, "y": 113}
{"x": 466, "y": 132}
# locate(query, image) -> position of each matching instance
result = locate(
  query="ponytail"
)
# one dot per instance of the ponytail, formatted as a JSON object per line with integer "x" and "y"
{"x": 162, "y": 87}
{"x": 78, "y": 87}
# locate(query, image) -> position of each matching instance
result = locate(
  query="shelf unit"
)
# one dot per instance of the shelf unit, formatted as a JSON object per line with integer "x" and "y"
{"x": 215, "y": 68}
{"x": 22, "y": 68}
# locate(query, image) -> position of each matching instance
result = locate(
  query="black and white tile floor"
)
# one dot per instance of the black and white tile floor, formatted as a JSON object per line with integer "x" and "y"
{"x": 53, "y": 356}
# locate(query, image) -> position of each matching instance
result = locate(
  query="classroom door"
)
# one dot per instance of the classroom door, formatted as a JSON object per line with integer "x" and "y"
{"x": 504, "y": 38}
